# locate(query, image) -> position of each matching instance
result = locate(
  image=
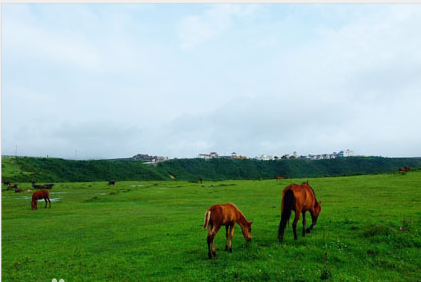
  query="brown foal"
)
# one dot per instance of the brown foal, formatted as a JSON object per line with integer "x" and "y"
{"x": 228, "y": 215}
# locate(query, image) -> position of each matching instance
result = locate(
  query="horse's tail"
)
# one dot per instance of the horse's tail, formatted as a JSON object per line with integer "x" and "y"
{"x": 288, "y": 203}
{"x": 207, "y": 218}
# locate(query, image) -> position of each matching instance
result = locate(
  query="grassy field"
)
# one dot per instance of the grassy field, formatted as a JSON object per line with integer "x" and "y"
{"x": 151, "y": 231}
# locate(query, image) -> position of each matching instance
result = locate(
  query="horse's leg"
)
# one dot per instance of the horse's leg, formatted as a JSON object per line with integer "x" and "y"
{"x": 304, "y": 223}
{"x": 309, "y": 229}
{"x": 294, "y": 224}
{"x": 49, "y": 202}
{"x": 46, "y": 202}
{"x": 231, "y": 235}
{"x": 282, "y": 224}
{"x": 209, "y": 240}
{"x": 227, "y": 236}
{"x": 214, "y": 231}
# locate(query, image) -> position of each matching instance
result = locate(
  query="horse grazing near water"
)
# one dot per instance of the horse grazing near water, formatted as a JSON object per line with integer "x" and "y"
{"x": 40, "y": 194}
{"x": 300, "y": 198}
{"x": 228, "y": 215}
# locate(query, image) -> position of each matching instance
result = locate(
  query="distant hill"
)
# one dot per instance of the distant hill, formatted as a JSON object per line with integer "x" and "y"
{"x": 220, "y": 169}
{"x": 24, "y": 169}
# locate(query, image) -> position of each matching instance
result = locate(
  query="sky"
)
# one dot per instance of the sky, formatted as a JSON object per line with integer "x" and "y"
{"x": 92, "y": 81}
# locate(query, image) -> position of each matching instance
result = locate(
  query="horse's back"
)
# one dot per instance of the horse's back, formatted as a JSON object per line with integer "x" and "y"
{"x": 223, "y": 213}
{"x": 303, "y": 194}
{"x": 40, "y": 194}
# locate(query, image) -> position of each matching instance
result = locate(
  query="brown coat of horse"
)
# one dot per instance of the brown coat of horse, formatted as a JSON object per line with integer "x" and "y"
{"x": 279, "y": 177}
{"x": 405, "y": 168}
{"x": 228, "y": 215}
{"x": 299, "y": 198}
{"x": 40, "y": 194}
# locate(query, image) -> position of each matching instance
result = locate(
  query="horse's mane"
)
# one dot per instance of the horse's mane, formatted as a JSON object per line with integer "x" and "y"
{"x": 314, "y": 193}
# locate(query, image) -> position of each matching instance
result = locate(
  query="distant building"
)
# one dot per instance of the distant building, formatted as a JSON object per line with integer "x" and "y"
{"x": 290, "y": 156}
{"x": 204, "y": 156}
{"x": 264, "y": 158}
{"x": 225, "y": 157}
{"x": 149, "y": 159}
{"x": 212, "y": 155}
{"x": 239, "y": 157}
{"x": 235, "y": 156}
{"x": 347, "y": 153}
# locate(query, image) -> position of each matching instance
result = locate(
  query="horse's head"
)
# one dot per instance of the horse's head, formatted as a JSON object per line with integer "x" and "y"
{"x": 33, "y": 204}
{"x": 246, "y": 229}
{"x": 317, "y": 210}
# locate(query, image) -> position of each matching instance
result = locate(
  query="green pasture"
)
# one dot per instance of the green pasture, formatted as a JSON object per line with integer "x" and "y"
{"x": 152, "y": 231}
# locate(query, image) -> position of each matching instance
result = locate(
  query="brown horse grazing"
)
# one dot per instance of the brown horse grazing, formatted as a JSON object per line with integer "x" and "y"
{"x": 40, "y": 194}
{"x": 279, "y": 177}
{"x": 300, "y": 198}
{"x": 405, "y": 168}
{"x": 19, "y": 190}
{"x": 228, "y": 215}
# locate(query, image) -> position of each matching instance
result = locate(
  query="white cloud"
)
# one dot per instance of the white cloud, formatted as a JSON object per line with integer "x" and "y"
{"x": 194, "y": 30}
{"x": 32, "y": 41}
{"x": 302, "y": 80}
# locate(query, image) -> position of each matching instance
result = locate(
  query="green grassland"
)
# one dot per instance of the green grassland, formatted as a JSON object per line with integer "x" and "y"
{"x": 152, "y": 231}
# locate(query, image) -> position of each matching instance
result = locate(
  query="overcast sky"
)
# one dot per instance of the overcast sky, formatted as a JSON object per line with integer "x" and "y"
{"x": 178, "y": 80}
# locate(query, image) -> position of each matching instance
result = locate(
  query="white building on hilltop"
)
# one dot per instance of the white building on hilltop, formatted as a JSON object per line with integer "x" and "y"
{"x": 212, "y": 155}
{"x": 264, "y": 158}
{"x": 347, "y": 153}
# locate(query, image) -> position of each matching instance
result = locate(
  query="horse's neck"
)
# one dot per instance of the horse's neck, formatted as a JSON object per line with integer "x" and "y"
{"x": 241, "y": 219}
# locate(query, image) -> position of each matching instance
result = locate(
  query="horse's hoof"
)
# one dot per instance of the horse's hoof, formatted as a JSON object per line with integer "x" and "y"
{"x": 230, "y": 250}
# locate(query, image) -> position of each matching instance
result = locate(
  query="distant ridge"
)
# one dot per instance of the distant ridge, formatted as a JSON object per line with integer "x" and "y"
{"x": 24, "y": 169}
